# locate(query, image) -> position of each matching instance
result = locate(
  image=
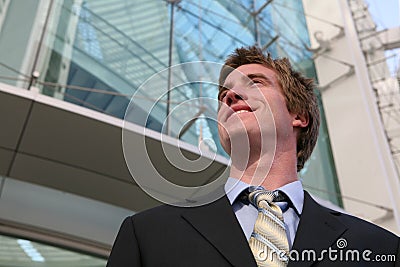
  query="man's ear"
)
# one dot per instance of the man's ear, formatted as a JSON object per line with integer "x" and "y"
{"x": 300, "y": 120}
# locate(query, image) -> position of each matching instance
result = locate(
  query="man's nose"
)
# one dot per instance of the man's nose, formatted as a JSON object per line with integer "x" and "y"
{"x": 232, "y": 96}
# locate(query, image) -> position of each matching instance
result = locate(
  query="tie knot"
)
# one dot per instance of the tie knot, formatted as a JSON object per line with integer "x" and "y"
{"x": 257, "y": 196}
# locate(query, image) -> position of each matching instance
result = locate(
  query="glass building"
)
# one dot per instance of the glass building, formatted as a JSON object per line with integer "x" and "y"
{"x": 97, "y": 54}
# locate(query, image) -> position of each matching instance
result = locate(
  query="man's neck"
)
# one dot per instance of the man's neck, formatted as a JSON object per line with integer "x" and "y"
{"x": 264, "y": 171}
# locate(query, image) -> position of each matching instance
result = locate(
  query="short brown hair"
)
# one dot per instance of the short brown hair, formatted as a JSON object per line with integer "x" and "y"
{"x": 298, "y": 90}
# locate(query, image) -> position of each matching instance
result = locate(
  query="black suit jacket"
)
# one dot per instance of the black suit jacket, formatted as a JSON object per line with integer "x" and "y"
{"x": 210, "y": 235}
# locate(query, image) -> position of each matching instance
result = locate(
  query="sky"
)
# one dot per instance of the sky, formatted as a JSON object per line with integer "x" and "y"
{"x": 386, "y": 14}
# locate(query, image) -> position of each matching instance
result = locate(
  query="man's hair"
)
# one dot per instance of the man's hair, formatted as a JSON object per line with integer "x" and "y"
{"x": 297, "y": 89}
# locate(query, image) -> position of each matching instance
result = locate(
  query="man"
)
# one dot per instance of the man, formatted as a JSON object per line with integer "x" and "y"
{"x": 268, "y": 123}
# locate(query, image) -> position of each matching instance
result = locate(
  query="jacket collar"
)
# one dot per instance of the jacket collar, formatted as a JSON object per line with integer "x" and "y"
{"x": 217, "y": 223}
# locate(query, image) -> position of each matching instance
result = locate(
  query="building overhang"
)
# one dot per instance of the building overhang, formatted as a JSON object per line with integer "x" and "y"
{"x": 53, "y": 143}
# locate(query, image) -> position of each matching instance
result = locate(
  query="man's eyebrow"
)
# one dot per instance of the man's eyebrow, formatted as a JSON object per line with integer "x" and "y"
{"x": 247, "y": 78}
{"x": 260, "y": 75}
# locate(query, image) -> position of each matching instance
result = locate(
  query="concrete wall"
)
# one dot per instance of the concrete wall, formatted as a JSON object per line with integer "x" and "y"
{"x": 365, "y": 169}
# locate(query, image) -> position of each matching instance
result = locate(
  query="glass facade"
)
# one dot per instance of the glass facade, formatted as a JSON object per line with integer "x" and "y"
{"x": 97, "y": 54}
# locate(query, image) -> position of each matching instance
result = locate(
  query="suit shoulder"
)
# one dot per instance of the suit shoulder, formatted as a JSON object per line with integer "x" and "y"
{"x": 367, "y": 226}
{"x": 362, "y": 226}
{"x": 354, "y": 224}
{"x": 159, "y": 213}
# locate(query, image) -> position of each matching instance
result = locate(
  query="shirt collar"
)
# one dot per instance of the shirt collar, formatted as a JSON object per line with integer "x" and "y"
{"x": 293, "y": 190}
{"x": 233, "y": 188}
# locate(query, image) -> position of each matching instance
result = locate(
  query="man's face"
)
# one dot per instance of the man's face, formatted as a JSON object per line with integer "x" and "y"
{"x": 253, "y": 106}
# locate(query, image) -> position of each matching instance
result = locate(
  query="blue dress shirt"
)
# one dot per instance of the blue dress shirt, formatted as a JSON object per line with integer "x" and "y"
{"x": 247, "y": 213}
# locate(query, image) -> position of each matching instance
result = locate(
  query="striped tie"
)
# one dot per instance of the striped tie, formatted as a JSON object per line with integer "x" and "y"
{"x": 268, "y": 242}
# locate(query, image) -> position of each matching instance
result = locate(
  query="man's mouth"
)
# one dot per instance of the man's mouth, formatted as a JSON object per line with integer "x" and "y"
{"x": 239, "y": 109}
{"x": 242, "y": 111}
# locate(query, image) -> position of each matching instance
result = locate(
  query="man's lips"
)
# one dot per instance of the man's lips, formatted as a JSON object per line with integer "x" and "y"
{"x": 241, "y": 108}
{"x": 238, "y": 109}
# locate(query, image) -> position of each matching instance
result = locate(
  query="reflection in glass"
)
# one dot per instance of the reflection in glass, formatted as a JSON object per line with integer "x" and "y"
{"x": 97, "y": 53}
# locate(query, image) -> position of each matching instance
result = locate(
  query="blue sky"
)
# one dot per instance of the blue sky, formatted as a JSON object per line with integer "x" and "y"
{"x": 386, "y": 14}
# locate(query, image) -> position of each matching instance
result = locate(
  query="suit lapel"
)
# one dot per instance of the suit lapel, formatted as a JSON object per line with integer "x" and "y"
{"x": 217, "y": 223}
{"x": 318, "y": 230}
